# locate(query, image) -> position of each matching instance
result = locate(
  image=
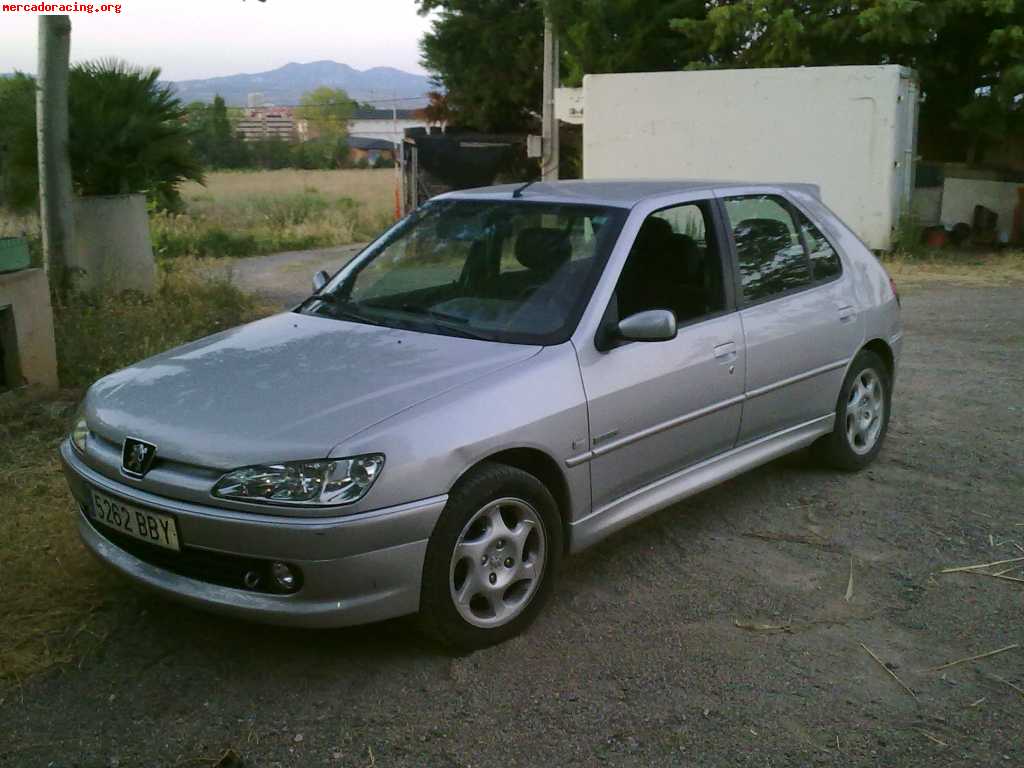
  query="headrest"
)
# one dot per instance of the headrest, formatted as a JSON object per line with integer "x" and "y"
{"x": 544, "y": 250}
{"x": 655, "y": 235}
{"x": 766, "y": 229}
{"x": 686, "y": 246}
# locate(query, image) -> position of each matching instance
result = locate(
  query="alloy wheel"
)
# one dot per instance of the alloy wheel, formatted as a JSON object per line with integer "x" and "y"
{"x": 865, "y": 412}
{"x": 498, "y": 563}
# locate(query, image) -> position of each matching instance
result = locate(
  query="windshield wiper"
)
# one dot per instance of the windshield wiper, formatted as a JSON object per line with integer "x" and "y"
{"x": 339, "y": 309}
{"x": 442, "y": 320}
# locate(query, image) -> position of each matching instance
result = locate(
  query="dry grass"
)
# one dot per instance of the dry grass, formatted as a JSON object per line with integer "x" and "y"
{"x": 242, "y": 214}
{"x": 372, "y": 189}
{"x": 54, "y": 594}
{"x": 970, "y": 269}
{"x": 249, "y": 213}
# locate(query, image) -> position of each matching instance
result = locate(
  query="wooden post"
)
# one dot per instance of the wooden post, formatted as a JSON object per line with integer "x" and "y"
{"x": 55, "y": 199}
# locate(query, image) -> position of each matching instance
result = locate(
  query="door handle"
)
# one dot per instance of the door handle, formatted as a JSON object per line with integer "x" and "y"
{"x": 726, "y": 353}
{"x": 846, "y": 314}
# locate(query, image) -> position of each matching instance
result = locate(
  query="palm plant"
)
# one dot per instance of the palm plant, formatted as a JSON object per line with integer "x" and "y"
{"x": 127, "y": 132}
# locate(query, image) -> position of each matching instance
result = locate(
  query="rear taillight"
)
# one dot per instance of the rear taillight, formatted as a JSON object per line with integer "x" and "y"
{"x": 892, "y": 284}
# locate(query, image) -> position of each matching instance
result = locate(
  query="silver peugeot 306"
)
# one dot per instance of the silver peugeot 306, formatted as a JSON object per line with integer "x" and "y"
{"x": 506, "y": 376}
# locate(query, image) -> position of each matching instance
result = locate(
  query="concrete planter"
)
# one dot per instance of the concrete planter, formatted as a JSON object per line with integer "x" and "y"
{"x": 112, "y": 250}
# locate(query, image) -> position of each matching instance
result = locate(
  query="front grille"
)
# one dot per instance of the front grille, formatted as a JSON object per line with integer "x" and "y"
{"x": 199, "y": 564}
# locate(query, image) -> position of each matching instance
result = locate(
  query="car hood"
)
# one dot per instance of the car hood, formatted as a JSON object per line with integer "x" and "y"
{"x": 285, "y": 388}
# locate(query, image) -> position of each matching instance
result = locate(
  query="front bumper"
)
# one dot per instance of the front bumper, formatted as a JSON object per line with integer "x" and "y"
{"x": 356, "y": 569}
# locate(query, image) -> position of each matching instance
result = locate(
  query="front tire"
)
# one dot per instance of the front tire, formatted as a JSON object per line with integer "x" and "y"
{"x": 862, "y": 415}
{"x": 492, "y": 559}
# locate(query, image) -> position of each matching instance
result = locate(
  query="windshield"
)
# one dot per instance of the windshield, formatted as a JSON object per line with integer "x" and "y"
{"x": 510, "y": 271}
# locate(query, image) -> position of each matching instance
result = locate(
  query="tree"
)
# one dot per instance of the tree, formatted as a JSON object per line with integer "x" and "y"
{"x": 487, "y": 54}
{"x": 969, "y": 53}
{"x": 599, "y": 36}
{"x": 216, "y": 142}
{"x": 327, "y": 110}
{"x": 438, "y": 111}
{"x": 19, "y": 185}
{"x": 317, "y": 154}
{"x": 271, "y": 153}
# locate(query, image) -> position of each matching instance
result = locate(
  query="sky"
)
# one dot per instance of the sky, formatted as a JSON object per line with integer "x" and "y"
{"x": 192, "y": 39}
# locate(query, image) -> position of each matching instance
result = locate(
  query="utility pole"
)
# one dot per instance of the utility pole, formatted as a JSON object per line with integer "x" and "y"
{"x": 55, "y": 211}
{"x": 549, "y": 130}
{"x": 399, "y": 158}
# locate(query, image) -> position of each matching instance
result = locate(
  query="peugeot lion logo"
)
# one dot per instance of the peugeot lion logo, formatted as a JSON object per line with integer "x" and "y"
{"x": 137, "y": 457}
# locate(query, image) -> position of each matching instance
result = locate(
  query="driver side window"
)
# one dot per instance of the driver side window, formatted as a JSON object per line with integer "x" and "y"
{"x": 674, "y": 265}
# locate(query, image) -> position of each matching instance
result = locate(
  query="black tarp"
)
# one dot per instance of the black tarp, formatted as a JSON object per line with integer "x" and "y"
{"x": 451, "y": 161}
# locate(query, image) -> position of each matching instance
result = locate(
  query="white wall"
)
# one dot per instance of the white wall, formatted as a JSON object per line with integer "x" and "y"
{"x": 831, "y": 126}
{"x": 959, "y": 196}
{"x": 383, "y": 129}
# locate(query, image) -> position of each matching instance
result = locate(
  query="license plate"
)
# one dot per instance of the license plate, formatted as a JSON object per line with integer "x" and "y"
{"x": 142, "y": 524}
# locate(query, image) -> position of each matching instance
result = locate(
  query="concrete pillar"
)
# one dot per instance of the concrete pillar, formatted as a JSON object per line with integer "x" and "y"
{"x": 112, "y": 250}
{"x": 26, "y": 329}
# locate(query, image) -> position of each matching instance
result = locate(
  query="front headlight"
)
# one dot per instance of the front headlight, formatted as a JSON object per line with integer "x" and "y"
{"x": 80, "y": 431}
{"x": 323, "y": 482}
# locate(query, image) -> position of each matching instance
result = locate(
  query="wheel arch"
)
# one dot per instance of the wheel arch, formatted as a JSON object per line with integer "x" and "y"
{"x": 884, "y": 351}
{"x": 536, "y": 462}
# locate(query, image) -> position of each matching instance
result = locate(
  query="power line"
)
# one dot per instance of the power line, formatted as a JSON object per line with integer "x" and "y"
{"x": 336, "y": 103}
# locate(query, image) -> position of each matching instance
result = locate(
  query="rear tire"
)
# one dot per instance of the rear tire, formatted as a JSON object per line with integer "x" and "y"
{"x": 492, "y": 559}
{"x": 862, "y": 415}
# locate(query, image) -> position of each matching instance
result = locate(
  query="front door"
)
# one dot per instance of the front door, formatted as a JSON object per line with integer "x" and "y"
{"x": 658, "y": 407}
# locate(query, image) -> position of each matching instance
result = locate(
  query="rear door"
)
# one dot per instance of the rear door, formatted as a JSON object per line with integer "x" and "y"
{"x": 799, "y": 325}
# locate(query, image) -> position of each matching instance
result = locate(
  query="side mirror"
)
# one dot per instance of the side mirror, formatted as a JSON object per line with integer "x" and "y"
{"x": 652, "y": 325}
{"x": 320, "y": 279}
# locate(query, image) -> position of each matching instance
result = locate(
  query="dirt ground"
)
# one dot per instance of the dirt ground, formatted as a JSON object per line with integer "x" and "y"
{"x": 285, "y": 279}
{"x": 639, "y": 659}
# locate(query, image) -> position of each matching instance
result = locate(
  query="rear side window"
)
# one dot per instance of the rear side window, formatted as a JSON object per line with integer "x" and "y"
{"x": 825, "y": 264}
{"x": 771, "y": 256}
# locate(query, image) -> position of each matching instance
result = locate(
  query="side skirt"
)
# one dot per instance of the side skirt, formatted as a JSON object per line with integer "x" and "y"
{"x": 668, "y": 490}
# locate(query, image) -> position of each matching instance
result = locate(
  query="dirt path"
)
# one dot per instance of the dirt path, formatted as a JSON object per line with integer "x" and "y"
{"x": 285, "y": 278}
{"x": 715, "y": 633}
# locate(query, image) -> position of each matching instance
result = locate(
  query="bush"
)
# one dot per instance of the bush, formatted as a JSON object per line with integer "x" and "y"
{"x": 909, "y": 236}
{"x": 99, "y": 333}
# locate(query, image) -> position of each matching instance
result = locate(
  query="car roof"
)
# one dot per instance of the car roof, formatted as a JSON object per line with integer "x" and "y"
{"x": 611, "y": 192}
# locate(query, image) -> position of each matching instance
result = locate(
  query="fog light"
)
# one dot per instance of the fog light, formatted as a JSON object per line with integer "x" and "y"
{"x": 284, "y": 577}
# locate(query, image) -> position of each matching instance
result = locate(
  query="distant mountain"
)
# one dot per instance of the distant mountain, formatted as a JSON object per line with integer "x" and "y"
{"x": 285, "y": 86}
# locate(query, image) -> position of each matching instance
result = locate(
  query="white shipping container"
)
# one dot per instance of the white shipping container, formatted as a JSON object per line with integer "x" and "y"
{"x": 850, "y": 130}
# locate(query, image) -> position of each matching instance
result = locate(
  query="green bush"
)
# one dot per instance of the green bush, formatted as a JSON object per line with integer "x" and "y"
{"x": 909, "y": 237}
